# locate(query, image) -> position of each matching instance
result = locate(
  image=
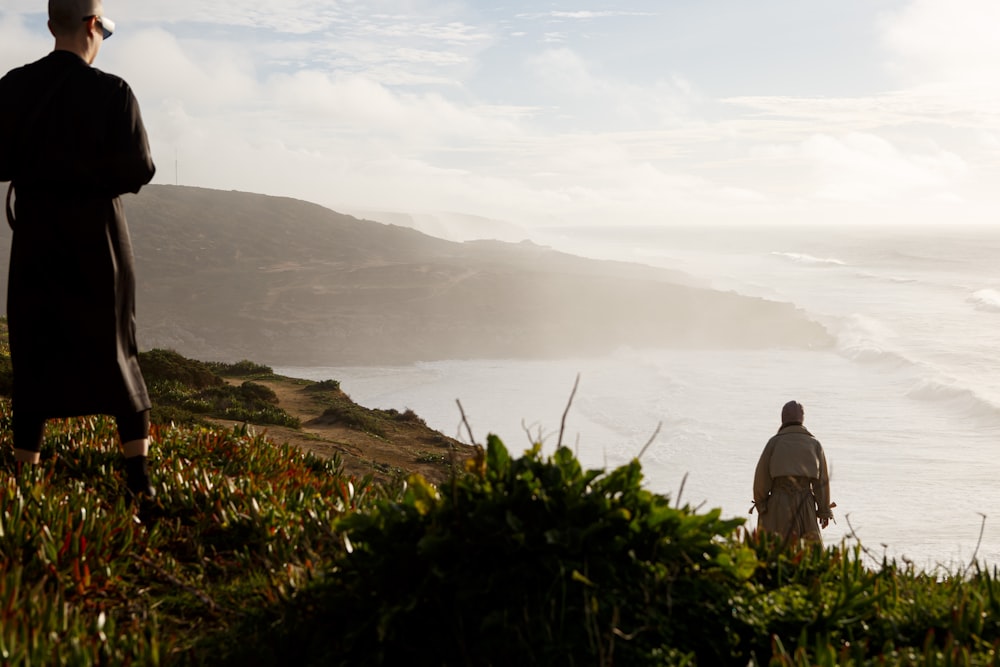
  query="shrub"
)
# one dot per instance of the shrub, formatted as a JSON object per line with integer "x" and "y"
{"x": 324, "y": 385}
{"x": 257, "y": 393}
{"x": 6, "y": 372}
{"x": 411, "y": 417}
{"x": 171, "y": 414}
{"x": 431, "y": 457}
{"x": 175, "y": 402}
{"x": 353, "y": 416}
{"x": 82, "y": 582}
{"x": 527, "y": 561}
{"x": 6, "y": 375}
{"x": 250, "y": 402}
{"x": 165, "y": 365}
{"x": 241, "y": 368}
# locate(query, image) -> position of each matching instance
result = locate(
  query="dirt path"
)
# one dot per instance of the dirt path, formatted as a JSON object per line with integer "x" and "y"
{"x": 383, "y": 443}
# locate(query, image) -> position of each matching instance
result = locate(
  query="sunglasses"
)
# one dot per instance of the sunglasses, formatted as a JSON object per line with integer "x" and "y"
{"x": 107, "y": 25}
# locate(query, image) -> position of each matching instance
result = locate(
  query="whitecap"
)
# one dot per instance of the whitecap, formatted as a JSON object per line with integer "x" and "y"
{"x": 865, "y": 339}
{"x": 986, "y": 300}
{"x": 960, "y": 399}
{"x": 802, "y": 258}
{"x": 902, "y": 280}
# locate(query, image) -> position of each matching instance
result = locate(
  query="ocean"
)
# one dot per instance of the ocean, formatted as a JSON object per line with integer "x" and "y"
{"x": 906, "y": 402}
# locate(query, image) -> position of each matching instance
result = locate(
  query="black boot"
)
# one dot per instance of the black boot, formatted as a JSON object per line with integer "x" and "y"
{"x": 137, "y": 478}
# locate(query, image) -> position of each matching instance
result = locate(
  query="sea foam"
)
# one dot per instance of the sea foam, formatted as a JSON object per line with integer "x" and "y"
{"x": 986, "y": 300}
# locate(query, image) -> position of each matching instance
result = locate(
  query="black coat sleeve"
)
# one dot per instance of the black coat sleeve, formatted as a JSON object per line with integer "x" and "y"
{"x": 129, "y": 163}
{"x": 8, "y": 123}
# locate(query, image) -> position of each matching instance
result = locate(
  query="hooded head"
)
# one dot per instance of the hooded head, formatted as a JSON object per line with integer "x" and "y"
{"x": 792, "y": 413}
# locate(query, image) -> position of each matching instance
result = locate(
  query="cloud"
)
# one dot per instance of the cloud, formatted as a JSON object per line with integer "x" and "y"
{"x": 294, "y": 17}
{"x": 424, "y": 105}
{"x": 864, "y": 167}
{"x": 945, "y": 41}
{"x": 571, "y": 86}
{"x": 925, "y": 106}
{"x": 200, "y": 74}
{"x": 565, "y": 70}
{"x": 926, "y": 141}
{"x": 19, "y": 44}
{"x": 581, "y": 14}
{"x": 452, "y": 32}
{"x": 360, "y": 105}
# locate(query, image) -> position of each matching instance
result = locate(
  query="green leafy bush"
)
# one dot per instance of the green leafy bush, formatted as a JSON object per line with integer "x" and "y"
{"x": 353, "y": 416}
{"x": 527, "y": 561}
{"x": 249, "y": 402}
{"x": 82, "y": 582}
{"x": 6, "y": 375}
{"x": 811, "y": 605}
{"x": 324, "y": 385}
{"x": 244, "y": 559}
{"x": 242, "y": 368}
{"x": 410, "y": 416}
{"x": 166, "y": 365}
{"x": 6, "y": 372}
{"x": 185, "y": 391}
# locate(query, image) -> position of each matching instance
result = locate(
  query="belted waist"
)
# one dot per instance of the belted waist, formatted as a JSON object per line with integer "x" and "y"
{"x": 790, "y": 483}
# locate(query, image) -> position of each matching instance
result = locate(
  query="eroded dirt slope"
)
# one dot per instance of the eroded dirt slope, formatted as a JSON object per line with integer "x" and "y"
{"x": 384, "y": 443}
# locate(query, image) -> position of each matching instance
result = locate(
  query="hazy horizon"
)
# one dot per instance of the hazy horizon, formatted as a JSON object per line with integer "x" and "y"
{"x": 906, "y": 401}
{"x": 778, "y": 112}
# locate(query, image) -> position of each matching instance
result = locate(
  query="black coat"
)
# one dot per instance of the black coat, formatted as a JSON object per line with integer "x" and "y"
{"x": 72, "y": 141}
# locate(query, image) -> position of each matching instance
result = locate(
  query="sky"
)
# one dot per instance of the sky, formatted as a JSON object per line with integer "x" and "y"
{"x": 638, "y": 112}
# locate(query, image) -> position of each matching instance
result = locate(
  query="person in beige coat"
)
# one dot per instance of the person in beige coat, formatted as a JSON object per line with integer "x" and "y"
{"x": 791, "y": 487}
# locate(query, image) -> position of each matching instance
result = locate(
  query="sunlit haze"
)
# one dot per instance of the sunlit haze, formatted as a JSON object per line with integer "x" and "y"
{"x": 780, "y": 111}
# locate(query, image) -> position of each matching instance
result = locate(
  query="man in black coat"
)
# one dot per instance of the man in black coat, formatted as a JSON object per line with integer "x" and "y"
{"x": 72, "y": 141}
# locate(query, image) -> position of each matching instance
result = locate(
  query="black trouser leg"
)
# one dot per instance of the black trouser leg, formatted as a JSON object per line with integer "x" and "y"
{"x": 29, "y": 428}
{"x": 131, "y": 427}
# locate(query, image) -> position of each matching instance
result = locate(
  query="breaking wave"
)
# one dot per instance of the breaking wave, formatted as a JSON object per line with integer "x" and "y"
{"x": 986, "y": 300}
{"x": 803, "y": 258}
{"x": 866, "y": 339}
{"x": 869, "y": 341}
{"x": 962, "y": 401}
{"x": 890, "y": 278}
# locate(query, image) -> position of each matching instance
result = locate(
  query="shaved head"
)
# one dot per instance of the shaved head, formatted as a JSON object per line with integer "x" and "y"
{"x": 65, "y": 15}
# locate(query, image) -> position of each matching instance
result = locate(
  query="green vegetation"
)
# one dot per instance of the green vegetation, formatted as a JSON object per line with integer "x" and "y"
{"x": 530, "y": 560}
{"x": 324, "y": 385}
{"x": 185, "y": 391}
{"x": 433, "y": 457}
{"x": 245, "y": 368}
{"x": 169, "y": 366}
{"x": 237, "y": 519}
{"x": 374, "y": 421}
{"x": 255, "y": 553}
{"x": 6, "y": 372}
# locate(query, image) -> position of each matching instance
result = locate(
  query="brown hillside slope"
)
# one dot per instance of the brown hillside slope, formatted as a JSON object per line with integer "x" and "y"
{"x": 374, "y": 442}
{"x": 231, "y": 275}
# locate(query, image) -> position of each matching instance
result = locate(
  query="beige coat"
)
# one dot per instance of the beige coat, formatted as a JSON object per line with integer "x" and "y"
{"x": 791, "y": 487}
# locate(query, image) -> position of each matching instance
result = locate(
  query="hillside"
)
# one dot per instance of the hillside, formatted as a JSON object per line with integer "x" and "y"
{"x": 230, "y": 275}
{"x": 258, "y": 554}
{"x": 314, "y": 417}
{"x": 367, "y": 441}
